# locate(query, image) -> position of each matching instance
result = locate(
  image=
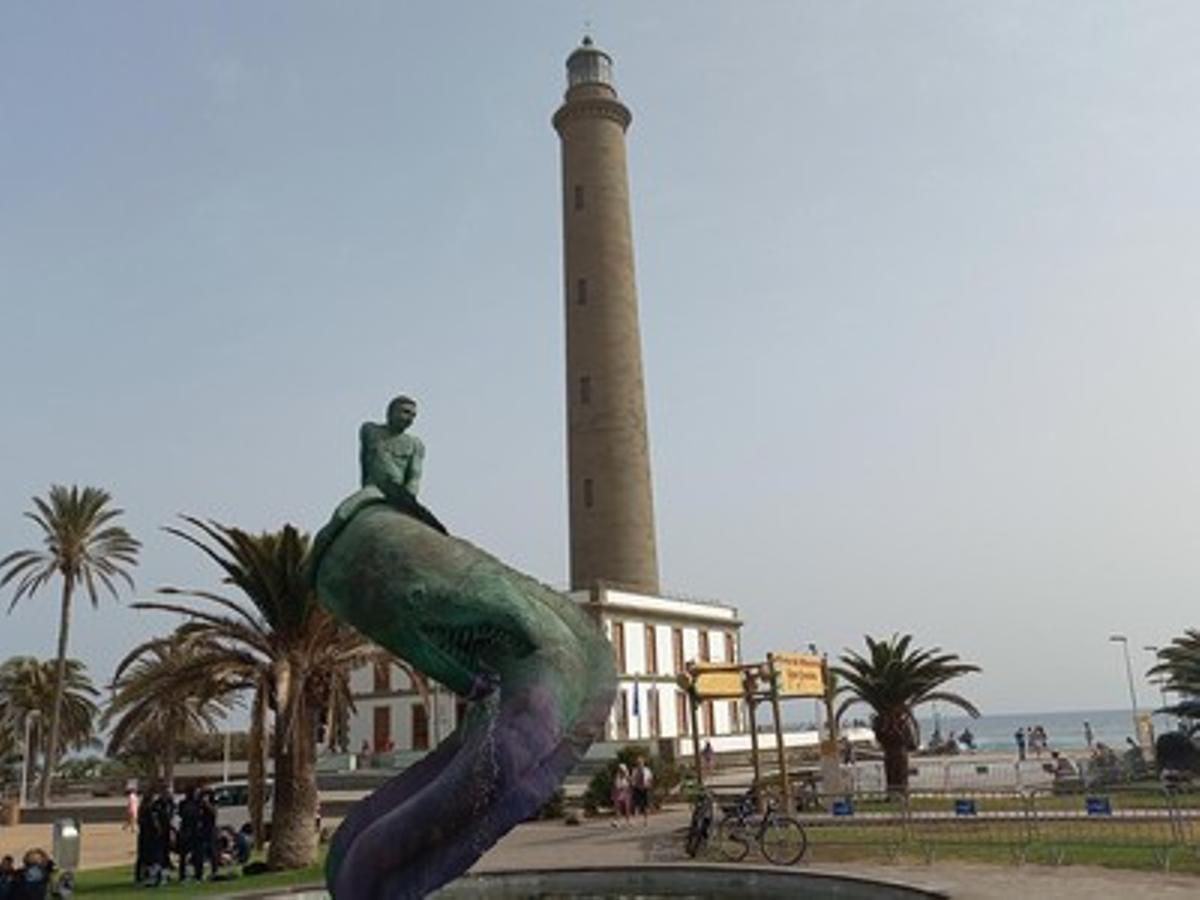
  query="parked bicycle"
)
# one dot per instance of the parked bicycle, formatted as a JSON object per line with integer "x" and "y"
{"x": 701, "y": 824}
{"x": 780, "y": 837}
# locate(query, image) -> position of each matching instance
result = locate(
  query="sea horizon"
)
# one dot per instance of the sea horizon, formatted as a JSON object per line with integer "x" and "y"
{"x": 996, "y": 731}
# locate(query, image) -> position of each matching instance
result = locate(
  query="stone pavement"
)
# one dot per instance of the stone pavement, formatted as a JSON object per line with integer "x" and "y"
{"x": 596, "y": 843}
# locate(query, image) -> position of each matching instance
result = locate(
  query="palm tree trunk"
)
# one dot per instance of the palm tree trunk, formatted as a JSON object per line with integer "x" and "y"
{"x": 169, "y": 763}
{"x": 895, "y": 765}
{"x": 31, "y": 754}
{"x": 255, "y": 769}
{"x": 293, "y": 827}
{"x": 60, "y": 675}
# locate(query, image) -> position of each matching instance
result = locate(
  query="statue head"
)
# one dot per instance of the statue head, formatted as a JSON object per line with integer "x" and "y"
{"x": 401, "y": 412}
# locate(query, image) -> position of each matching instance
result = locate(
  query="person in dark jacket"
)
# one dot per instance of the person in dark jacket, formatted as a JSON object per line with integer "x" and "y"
{"x": 145, "y": 838}
{"x": 207, "y": 835}
{"x": 189, "y": 834}
{"x": 33, "y": 878}
{"x": 8, "y": 878}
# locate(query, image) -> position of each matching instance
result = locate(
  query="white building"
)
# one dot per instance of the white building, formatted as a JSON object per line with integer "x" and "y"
{"x": 394, "y": 714}
{"x": 652, "y": 637}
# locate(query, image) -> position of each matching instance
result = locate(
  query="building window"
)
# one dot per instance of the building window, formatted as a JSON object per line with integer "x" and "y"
{"x": 585, "y": 389}
{"x": 681, "y": 713}
{"x": 730, "y": 656}
{"x": 705, "y": 656}
{"x": 651, "y": 651}
{"x": 735, "y": 718}
{"x": 382, "y": 731}
{"x": 382, "y": 675}
{"x": 677, "y": 646}
{"x": 588, "y": 493}
{"x": 618, "y": 642}
{"x": 579, "y": 196}
{"x": 420, "y": 727}
{"x": 581, "y": 291}
{"x": 460, "y": 711}
{"x": 708, "y": 717}
{"x": 623, "y": 717}
{"x": 652, "y": 703}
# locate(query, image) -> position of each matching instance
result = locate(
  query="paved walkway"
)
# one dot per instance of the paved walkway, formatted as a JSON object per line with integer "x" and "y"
{"x": 552, "y": 845}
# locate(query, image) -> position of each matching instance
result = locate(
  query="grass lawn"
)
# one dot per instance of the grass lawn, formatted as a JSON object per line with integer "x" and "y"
{"x": 1124, "y": 845}
{"x": 115, "y": 884}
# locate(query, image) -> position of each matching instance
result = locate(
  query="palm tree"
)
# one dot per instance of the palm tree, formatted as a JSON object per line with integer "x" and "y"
{"x": 894, "y": 679}
{"x": 285, "y": 648}
{"x": 149, "y": 711}
{"x": 1179, "y": 661}
{"x": 84, "y": 547}
{"x": 29, "y": 686}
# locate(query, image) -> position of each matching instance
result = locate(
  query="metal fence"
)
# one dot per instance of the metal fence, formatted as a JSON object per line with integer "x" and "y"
{"x": 1135, "y": 826}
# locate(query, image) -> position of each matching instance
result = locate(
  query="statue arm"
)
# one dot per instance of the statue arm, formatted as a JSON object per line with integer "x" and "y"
{"x": 415, "y": 465}
{"x": 378, "y": 466}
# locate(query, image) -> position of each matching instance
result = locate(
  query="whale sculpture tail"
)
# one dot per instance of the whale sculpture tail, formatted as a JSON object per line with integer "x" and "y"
{"x": 538, "y": 669}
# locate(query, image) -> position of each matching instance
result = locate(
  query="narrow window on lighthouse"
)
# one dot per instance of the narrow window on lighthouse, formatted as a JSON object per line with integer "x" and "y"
{"x": 588, "y": 494}
{"x": 585, "y": 389}
{"x": 579, "y": 196}
{"x": 581, "y": 291}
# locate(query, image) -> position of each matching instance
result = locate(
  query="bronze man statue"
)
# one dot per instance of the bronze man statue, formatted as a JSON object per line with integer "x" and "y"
{"x": 390, "y": 461}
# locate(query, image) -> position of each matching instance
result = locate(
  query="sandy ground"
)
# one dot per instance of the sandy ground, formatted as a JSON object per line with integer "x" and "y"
{"x": 596, "y": 843}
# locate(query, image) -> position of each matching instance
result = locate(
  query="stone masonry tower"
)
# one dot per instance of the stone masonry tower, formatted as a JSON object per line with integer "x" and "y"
{"x": 608, "y": 451}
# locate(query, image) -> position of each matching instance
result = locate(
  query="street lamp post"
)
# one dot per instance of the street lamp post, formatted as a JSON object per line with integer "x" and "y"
{"x": 1124, "y": 642}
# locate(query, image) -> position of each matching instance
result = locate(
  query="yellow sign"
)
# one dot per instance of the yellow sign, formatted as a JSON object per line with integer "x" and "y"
{"x": 717, "y": 682}
{"x": 800, "y": 674}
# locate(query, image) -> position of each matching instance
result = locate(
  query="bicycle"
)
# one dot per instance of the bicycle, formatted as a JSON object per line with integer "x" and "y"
{"x": 701, "y": 824}
{"x": 780, "y": 837}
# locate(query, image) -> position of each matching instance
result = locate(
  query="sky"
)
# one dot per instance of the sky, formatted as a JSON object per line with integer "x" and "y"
{"x": 917, "y": 284}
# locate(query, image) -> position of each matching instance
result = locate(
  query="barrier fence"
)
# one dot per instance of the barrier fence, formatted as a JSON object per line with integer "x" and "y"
{"x": 1133, "y": 826}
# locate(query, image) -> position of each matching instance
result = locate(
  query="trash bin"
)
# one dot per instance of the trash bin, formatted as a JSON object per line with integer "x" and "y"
{"x": 66, "y": 841}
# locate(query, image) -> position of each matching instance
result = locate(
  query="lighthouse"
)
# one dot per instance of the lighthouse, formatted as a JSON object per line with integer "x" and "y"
{"x": 611, "y": 503}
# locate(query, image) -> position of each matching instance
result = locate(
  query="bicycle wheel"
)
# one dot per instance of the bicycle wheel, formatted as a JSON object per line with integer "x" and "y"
{"x": 732, "y": 840}
{"x": 699, "y": 827}
{"x": 782, "y": 840}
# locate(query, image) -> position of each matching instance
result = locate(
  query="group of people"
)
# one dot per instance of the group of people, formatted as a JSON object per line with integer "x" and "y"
{"x": 30, "y": 880}
{"x": 631, "y": 792}
{"x": 189, "y": 830}
{"x": 1031, "y": 739}
{"x": 952, "y": 743}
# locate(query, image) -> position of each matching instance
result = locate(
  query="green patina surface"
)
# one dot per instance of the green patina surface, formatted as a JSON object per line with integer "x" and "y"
{"x": 387, "y": 567}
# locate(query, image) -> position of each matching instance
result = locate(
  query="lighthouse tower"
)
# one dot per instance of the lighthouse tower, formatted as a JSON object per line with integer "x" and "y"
{"x": 608, "y": 452}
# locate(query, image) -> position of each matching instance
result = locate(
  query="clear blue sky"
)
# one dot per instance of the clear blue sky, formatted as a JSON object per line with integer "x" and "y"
{"x": 918, "y": 289}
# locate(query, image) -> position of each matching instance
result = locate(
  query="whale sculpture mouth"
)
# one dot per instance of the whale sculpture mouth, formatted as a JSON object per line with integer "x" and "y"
{"x": 540, "y": 672}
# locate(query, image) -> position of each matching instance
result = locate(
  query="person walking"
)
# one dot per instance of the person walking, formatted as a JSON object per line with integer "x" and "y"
{"x": 621, "y": 795}
{"x": 131, "y": 809}
{"x": 1020, "y": 739}
{"x": 1088, "y": 736}
{"x": 643, "y": 781}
